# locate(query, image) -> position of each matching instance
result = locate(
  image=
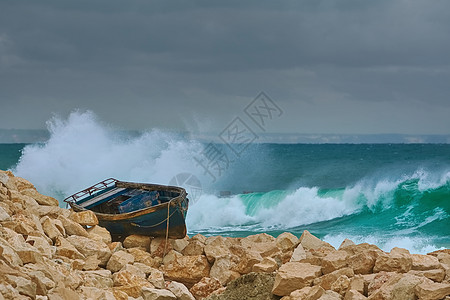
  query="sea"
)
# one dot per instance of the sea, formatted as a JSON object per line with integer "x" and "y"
{"x": 390, "y": 195}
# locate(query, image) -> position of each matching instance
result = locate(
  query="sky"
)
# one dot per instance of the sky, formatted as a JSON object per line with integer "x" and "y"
{"x": 344, "y": 67}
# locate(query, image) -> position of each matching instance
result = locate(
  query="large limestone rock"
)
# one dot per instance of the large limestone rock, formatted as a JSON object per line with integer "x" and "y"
{"x": 194, "y": 247}
{"x": 72, "y": 228}
{"x": 294, "y": 275}
{"x": 309, "y": 241}
{"x": 187, "y": 269}
{"x": 286, "y": 242}
{"x": 97, "y": 278}
{"x": 432, "y": 291}
{"x": 252, "y": 286}
{"x": 267, "y": 265}
{"x": 87, "y": 217}
{"x": 89, "y": 247}
{"x": 205, "y": 287}
{"x": 327, "y": 280}
{"x": 118, "y": 260}
{"x": 137, "y": 241}
{"x": 224, "y": 268}
{"x": 41, "y": 199}
{"x": 143, "y": 257}
{"x": 424, "y": 262}
{"x": 334, "y": 261}
{"x": 398, "y": 260}
{"x": 99, "y": 233}
{"x": 180, "y": 291}
{"x": 298, "y": 254}
{"x": 156, "y": 294}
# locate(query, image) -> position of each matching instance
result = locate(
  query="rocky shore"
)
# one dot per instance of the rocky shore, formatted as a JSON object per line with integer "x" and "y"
{"x": 47, "y": 252}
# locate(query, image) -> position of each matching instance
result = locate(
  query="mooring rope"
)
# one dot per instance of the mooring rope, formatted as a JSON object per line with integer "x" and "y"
{"x": 167, "y": 229}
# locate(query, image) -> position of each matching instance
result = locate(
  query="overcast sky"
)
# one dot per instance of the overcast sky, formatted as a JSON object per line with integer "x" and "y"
{"x": 330, "y": 66}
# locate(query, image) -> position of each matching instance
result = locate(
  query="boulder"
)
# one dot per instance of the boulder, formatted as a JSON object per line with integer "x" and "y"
{"x": 159, "y": 246}
{"x": 187, "y": 269}
{"x": 398, "y": 260}
{"x": 267, "y": 265}
{"x": 41, "y": 199}
{"x": 309, "y": 241}
{"x": 137, "y": 241}
{"x": 97, "y": 278}
{"x": 50, "y": 228}
{"x": 252, "y": 286}
{"x": 298, "y": 254}
{"x": 333, "y": 261}
{"x": 205, "y": 287}
{"x": 72, "y": 228}
{"x": 224, "y": 268}
{"x": 156, "y": 277}
{"x": 143, "y": 257}
{"x": 99, "y": 233}
{"x": 217, "y": 246}
{"x": 118, "y": 260}
{"x": 286, "y": 242}
{"x": 341, "y": 285}
{"x": 327, "y": 280}
{"x": 424, "y": 262}
{"x": 346, "y": 243}
{"x": 294, "y": 275}
{"x": 180, "y": 291}
{"x": 156, "y": 294}
{"x": 89, "y": 247}
{"x": 362, "y": 262}
{"x": 194, "y": 247}
{"x": 354, "y": 295}
{"x": 171, "y": 256}
{"x": 180, "y": 244}
{"x": 86, "y": 217}
{"x": 432, "y": 291}
{"x": 436, "y": 275}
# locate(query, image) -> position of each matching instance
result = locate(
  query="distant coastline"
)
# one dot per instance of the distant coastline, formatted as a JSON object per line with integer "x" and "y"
{"x": 11, "y": 136}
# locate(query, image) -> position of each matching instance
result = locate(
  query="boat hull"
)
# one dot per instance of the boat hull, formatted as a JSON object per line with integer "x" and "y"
{"x": 166, "y": 219}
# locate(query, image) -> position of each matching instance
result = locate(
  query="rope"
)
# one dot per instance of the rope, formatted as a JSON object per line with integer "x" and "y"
{"x": 154, "y": 225}
{"x": 167, "y": 229}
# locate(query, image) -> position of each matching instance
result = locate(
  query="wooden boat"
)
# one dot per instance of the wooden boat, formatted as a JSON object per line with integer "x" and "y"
{"x": 126, "y": 208}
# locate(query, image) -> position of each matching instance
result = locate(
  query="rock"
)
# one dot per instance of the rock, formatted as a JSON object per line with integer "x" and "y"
{"x": 66, "y": 249}
{"x": 180, "y": 291}
{"x": 357, "y": 284}
{"x": 89, "y": 247}
{"x": 171, "y": 256}
{"x": 118, "y": 260}
{"x": 98, "y": 278}
{"x": 432, "y": 291}
{"x": 299, "y": 253}
{"x": 7, "y": 179}
{"x": 41, "y": 199}
{"x": 143, "y": 257}
{"x": 136, "y": 241}
{"x": 398, "y": 260}
{"x": 4, "y": 216}
{"x": 180, "y": 244}
{"x": 50, "y": 228}
{"x": 333, "y": 261}
{"x": 263, "y": 244}
{"x": 159, "y": 247}
{"x": 327, "y": 280}
{"x": 267, "y": 265}
{"x": 309, "y": 241}
{"x": 205, "y": 287}
{"x": 123, "y": 278}
{"x": 286, "y": 242}
{"x": 354, "y": 295}
{"x": 187, "y": 269}
{"x": 217, "y": 246}
{"x": 23, "y": 285}
{"x": 72, "y": 228}
{"x": 346, "y": 243}
{"x": 424, "y": 262}
{"x": 156, "y": 277}
{"x": 156, "y": 294}
{"x": 252, "y": 286}
{"x": 61, "y": 292}
{"x": 99, "y": 233}
{"x": 294, "y": 275}
{"x": 330, "y": 295}
{"x": 341, "y": 285}
{"x": 224, "y": 268}
{"x": 86, "y": 217}
{"x": 437, "y": 275}
{"x": 362, "y": 262}
{"x": 41, "y": 245}
{"x": 194, "y": 247}
{"x": 135, "y": 270}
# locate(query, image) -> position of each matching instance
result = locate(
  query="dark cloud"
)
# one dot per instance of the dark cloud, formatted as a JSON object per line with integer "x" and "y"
{"x": 331, "y": 61}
